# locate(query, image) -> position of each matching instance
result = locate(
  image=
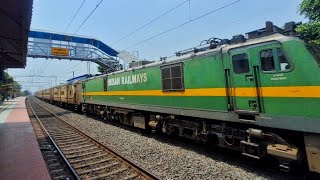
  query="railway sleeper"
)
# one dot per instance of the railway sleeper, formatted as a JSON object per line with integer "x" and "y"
{"x": 80, "y": 151}
{"x": 78, "y": 147}
{"x": 88, "y": 159}
{"x": 98, "y": 169}
{"x": 110, "y": 173}
{"x": 92, "y": 163}
{"x": 66, "y": 136}
{"x": 83, "y": 154}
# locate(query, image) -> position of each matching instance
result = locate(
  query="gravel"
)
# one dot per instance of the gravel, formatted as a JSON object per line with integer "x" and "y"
{"x": 165, "y": 159}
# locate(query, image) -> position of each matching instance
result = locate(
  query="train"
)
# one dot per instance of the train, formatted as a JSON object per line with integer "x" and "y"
{"x": 259, "y": 95}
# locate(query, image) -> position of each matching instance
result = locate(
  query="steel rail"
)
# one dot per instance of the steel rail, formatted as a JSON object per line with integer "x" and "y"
{"x": 55, "y": 145}
{"x": 143, "y": 172}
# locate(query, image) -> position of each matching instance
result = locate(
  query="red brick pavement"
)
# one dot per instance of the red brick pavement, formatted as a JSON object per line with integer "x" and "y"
{"x": 20, "y": 156}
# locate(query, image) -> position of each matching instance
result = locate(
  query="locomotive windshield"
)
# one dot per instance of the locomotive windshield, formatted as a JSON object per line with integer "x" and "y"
{"x": 314, "y": 50}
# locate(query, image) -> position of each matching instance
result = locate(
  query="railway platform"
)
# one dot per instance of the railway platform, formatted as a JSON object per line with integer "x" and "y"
{"x": 20, "y": 156}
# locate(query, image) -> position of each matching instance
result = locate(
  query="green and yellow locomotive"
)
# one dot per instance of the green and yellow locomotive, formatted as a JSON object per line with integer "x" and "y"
{"x": 259, "y": 95}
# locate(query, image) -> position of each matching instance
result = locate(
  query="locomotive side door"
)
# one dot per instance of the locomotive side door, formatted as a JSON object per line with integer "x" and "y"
{"x": 244, "y": 89}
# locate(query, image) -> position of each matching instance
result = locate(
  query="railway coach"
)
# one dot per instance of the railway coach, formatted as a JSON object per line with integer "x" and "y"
{"x": 74, "y": 90}
{"x": 259, "y": 95}
{"x": 65, "y": 95}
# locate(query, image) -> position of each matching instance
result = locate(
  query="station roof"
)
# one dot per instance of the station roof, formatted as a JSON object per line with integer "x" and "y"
{"x": 15, "y": 19}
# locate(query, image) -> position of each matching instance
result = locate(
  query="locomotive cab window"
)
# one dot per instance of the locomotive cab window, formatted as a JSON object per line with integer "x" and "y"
{"x": 240, "y": 63}
{"x": 172, "y": 77}
{"x": 274, "y": 60}
{"x": 283, "y": 61}
{"x": 267, "y": 60}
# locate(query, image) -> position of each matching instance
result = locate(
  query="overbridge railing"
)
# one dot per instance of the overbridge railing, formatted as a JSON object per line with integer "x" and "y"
{"x": 70, "y": 47}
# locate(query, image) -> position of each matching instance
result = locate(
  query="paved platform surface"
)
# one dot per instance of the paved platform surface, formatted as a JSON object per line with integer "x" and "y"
{"x": 20, "y": 156}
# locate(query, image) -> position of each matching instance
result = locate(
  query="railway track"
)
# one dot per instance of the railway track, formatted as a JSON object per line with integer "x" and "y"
{"x": 56, "y": 166}
{"x": 87, "y": 158}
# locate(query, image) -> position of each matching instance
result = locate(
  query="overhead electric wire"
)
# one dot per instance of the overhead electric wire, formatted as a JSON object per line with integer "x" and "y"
{"x": 75, "y": 15}
{"x": 176, "y": 27}
{"x": 88, "y": 16}
{"x": 148, "y": 23}
{"x": 73, "y": 66}
{"x": 42, "y": 66}
{"x": 190, "y": 10}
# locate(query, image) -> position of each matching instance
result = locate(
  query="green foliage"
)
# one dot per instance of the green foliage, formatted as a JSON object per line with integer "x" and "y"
{"x": 25, "y": 93}
{"x": 311, "y": 9}
{"x": 310, "y": 31}
{"x": 16, "y": 86}
{"x": 101, "y": 69}
{"x": 7, "y": 79}
{"x": 8, "y": 86}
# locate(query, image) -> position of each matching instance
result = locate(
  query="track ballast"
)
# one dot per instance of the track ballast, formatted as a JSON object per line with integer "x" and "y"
{"x": 87, "y": 158}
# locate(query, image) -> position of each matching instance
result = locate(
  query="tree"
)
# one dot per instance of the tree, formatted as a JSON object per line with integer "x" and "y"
{"x": 25, "y": 93}
{"x": 310, "y": 31}
{"x": 101, "y": 69}
{"x": 16, "y": 88}
{"x": 8, "y": 86}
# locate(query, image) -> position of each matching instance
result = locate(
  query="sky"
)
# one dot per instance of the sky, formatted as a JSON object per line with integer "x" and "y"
{"x": 114, "y": 19}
